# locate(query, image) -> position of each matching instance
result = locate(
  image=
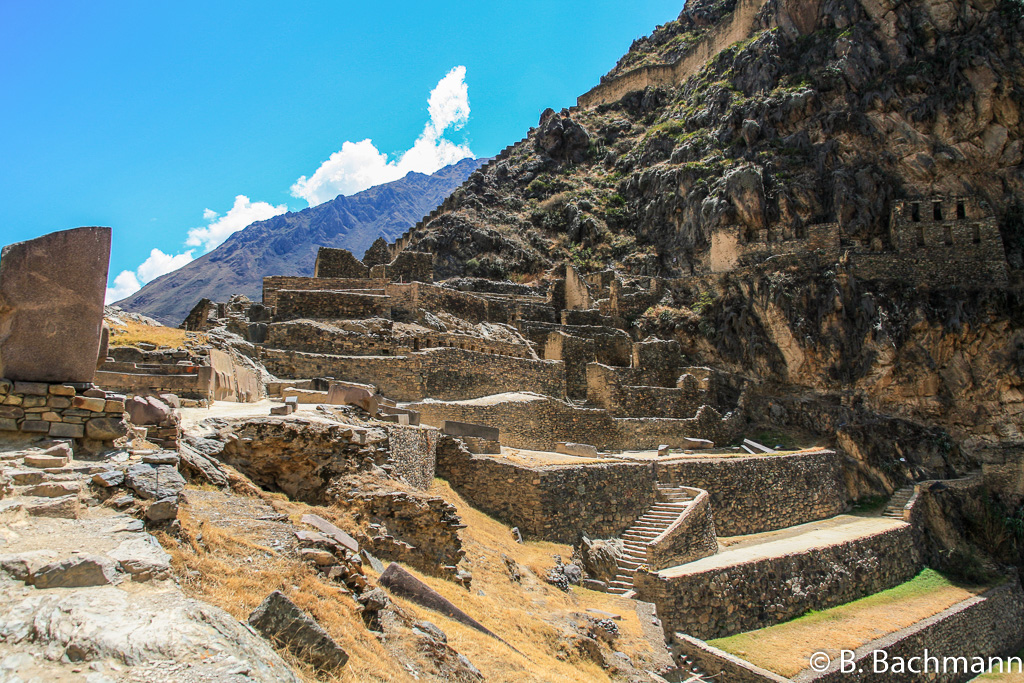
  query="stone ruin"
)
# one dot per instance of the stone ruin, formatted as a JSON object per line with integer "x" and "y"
{"x": 52, "y": 338}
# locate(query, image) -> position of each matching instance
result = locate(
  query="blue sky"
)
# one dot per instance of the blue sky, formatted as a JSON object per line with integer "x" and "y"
{"x": 161, "y": 118}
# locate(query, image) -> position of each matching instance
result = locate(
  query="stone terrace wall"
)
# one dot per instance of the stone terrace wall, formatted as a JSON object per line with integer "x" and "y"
{"x": 413, "y": 453}
{"x": 274, "y": 284}
{"x": 338, "y": 263}
{"x": 445, "y": 373}
{"x": 762, "y": 493}
{"x": 318, "y": 337}
{"x": 193, "y": 385}
{"x": 540, "y": 423}
{"x": 59, "y": 411}
{"x": 721, "y": 602}
{"x": 983, "y": 626}
{"x": 690, "y": 538}
{"x": 409, "y": 298}
{"x": 630, "y": 401}
{"x": 330, "y": 305}
{"x": 555, "y": 503}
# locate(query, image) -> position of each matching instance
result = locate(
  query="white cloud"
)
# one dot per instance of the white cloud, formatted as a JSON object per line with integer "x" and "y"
{"x": 242, "y": 214}
{"x": 360, "y": 165}
{"x": 125, "y": 284}
{"x": 218, "y": 228}
{"x": 160, "y": 263}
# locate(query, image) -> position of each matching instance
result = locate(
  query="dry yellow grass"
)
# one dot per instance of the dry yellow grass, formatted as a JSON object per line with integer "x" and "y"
{"x": 236, "y": 573}
{"x": 131, "y": 333}
{"x": 786, "y": 648}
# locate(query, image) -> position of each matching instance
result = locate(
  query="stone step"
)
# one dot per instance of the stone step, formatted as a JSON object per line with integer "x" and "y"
{"x": 660, "y": 516}
{"x": 649, "y": 526}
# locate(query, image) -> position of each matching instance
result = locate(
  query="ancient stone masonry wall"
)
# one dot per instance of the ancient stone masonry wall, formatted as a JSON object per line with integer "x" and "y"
{"x": 611, "y": 346}
{"x": 734, "y": 247}
{"x": 411, "y": 266}
{"x": 60, "y": 411}
{"x": 541, "y": 423}
{"x": 984, "y": 626}
{"x": 338, "y": 263}
{"x": 556, "y": 503}
{"x": 736, "y": 26}
{"x": 628, "y": 401}
{"x": 444, "y": 373}
{"x": 330, "y": 305}
{"x": 576, "y": 353}
{"x": 690, "y": 538}
{"x": 316, "y": 337}
{"x": 220, "y": 378}
{"x": 413, "y": 453}
{"x": 274, "y": 284}
{"x": 724, "y": 601}
{"x": 510, "y": 310}
{"x": 408, "y": 299}
{"x": 762, "y": 493}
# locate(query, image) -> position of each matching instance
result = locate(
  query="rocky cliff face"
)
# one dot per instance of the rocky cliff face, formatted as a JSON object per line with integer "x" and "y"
{"x": 287, "y": 244}
{"x": 767, "y": 118}
{"x": 823, "y": 112}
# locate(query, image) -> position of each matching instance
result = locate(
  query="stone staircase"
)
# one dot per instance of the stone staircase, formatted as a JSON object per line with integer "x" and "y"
{"x": 898, "y": 501}
{"x": 671, "y": 502}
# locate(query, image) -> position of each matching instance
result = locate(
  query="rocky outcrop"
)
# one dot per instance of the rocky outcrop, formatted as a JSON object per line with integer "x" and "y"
{"x": 283, "y": 623}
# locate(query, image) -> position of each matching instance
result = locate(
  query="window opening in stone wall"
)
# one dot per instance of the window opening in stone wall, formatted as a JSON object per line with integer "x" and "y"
{"x": 977, "y": 234}
{"x": 961, "y": 211}
{"x": 920, "y": 236}
{"x": 915, "y": 212}
{"x": 937, "y": 211}
{"x": 947, "y": 234}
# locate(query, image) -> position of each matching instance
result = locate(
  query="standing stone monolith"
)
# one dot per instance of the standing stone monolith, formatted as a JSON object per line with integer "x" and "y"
{"x": 51, "y": 305}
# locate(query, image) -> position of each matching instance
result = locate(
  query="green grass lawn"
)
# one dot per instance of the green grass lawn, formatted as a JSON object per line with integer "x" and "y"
{"x": 1007, "y": 675}
{"x": 785, "y": 648}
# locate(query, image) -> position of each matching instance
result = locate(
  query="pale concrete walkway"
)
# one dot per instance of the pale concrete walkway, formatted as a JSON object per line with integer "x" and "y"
{"x": 790, "y": 541}
{"x": 193, "y": 416}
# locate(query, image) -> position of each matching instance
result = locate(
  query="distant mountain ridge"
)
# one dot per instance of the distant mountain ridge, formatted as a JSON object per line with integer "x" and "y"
{"x": 287, "y": 244}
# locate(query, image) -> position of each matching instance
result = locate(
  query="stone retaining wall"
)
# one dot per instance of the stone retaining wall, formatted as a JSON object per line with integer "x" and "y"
{"x": 721, "y": 602}
{"x": 330, "y": 305}
{"x": 555, "y": 503}
{"x": 540, "y": 423}
{"x": 689, "y": 538}
{"x": 445, "y": 373}
{"x": 61, "y": 411}
{"x": 274, "y": 284}
{"x": 722, "y": 665}
{"x": 985, "y": 626}
{"x": 762, "y": 493}
{"x": 413, "y": 453}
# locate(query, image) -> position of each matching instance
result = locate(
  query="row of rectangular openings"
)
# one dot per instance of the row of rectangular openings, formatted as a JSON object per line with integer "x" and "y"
{"x": 948, "y": 236}
{"x": 915, "y": 211}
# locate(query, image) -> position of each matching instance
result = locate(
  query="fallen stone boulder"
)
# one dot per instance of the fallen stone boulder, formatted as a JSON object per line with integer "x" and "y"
{"x": 147, "y": 410}
{"x": 281, "y": 621}
{"x": 163, "y": 510}
{"x": 51, "y": 305}
{"x": 583, "y": 450}
{"x": 150, "y": 482}
{"x": 402, "y": 583}
{"x": 347, "y": 395}
{"x": 76, "y": 572}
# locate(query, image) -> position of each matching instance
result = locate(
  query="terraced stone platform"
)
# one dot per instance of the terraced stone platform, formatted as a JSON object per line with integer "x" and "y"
{"x": 766, "y": 578}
